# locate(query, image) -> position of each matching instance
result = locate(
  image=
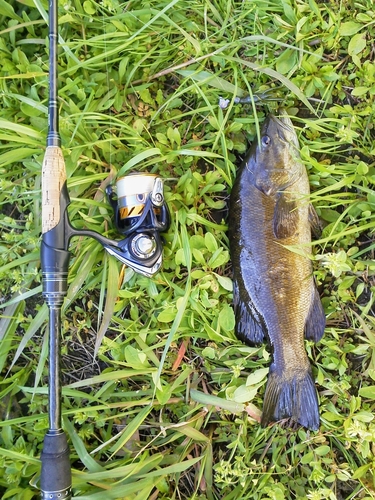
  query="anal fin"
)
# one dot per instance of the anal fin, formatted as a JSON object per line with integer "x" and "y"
{"x": 316, "y": 319}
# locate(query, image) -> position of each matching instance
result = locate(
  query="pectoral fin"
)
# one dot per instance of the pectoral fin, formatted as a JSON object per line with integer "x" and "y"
{"x": 285, "y": 217}
{"x": 316, "y": 319}
{"x": 249, "y": 324}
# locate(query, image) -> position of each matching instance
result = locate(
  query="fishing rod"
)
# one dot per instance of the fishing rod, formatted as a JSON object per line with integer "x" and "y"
{"x": 141, "y": 214}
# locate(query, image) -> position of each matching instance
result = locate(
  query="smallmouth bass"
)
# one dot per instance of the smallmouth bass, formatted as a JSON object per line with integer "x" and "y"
{"x": 274, "y": 294}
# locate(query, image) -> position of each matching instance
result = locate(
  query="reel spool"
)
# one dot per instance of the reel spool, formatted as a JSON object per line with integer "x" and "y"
{"x": 139, "y": 203}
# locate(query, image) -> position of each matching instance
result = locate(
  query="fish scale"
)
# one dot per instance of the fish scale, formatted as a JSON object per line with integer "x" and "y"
{"x": 275, "y": 297}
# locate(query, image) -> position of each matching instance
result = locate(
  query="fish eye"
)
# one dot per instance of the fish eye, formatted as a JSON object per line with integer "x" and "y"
{"x": 266, "y": 140}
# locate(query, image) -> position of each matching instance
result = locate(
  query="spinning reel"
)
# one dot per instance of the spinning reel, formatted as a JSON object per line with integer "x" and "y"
{"x": 141, "y": 214}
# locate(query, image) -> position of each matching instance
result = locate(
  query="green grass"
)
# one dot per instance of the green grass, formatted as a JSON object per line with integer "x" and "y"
{"x": 160, "y": 399}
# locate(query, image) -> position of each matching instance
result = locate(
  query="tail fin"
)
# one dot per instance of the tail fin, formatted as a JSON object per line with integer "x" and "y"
{"x": 292, "y": 397}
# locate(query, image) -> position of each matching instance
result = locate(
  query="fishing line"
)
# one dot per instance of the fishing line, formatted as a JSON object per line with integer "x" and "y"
{"x": 108, "y": 87}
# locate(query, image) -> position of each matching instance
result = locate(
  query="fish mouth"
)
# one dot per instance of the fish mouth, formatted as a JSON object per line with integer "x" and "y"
{"x": 283, "y": 126}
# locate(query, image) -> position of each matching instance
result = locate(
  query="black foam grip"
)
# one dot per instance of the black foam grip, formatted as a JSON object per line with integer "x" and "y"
{"x": 55, "y": 478}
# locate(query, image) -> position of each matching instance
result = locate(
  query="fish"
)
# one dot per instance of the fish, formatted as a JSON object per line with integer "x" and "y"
{"x": 275, "y": 297}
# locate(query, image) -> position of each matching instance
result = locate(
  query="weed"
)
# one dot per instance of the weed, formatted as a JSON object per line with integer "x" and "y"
{"x": 160, "y": 399}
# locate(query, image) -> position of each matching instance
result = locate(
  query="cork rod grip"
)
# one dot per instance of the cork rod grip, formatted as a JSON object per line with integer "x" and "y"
{"x": 53, "y": 180}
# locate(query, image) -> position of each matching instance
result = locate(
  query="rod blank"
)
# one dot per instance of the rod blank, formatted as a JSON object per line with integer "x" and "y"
{"x": 53, "y": 138}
